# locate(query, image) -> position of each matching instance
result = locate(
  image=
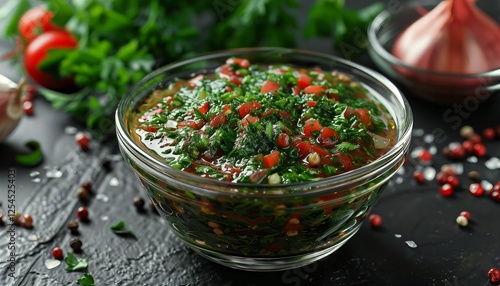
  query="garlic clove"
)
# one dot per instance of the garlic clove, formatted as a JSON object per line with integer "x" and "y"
{"x": 10, "y": 105}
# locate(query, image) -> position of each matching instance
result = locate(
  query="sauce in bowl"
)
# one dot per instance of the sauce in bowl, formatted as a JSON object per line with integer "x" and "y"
{"x": 276, "y": 124}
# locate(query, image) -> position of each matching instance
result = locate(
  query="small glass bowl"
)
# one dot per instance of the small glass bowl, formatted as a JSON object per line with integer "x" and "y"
{"x": 261, "y": 227}
{"x": 438, "y": 87}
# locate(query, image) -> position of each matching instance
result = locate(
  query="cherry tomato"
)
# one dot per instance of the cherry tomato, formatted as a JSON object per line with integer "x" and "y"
{"x": 35, "y": 21}
{"x": 37, "y": 50}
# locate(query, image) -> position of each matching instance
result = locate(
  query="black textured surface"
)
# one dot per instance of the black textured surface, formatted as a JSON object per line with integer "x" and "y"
{"x": 446, "y": 254}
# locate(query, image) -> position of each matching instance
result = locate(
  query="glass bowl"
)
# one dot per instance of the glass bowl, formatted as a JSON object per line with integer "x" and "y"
{"x": 247, "y": 226}
{"x": 438, "y": 87}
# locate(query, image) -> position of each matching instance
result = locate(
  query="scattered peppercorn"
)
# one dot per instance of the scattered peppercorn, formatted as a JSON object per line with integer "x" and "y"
{"x": 139, "y": 203}
{"x": 489, "y": 134}
{"x": 419, "y": 177}
{"x": 2, "y": 214}
{"x": 466, "y": 214}
{"x": 494, "y": 275}
{"x": 30, "y": 92}
{"x": 468, "y": 146}
{"x": 480, "y": 150}
{"x": 494, "y": 193}
{"x": 17, "y": 218}
{"x": 27, "y": 221}
{"x": 476, "y": 189}
{"x": 73, "y": 226}
{"x": 424, "y": 156}
{"x": 57, "y": 253}
{"x": 454, "y": 151}
{"x": 446, "y": 190}
{"x": 83, "y": 140}
{"x": 83, "y": 195}
{"x": 375, "y": 220}
{"x": 76, "y": 244}
{"x": 82, "y": 214}
{"x": 466, "y": 131}
{"x": 87, "y": 185}
{"x": 28, "y": 107}
{"x": 475, "y": 176}
{"x": 462, "y": 221}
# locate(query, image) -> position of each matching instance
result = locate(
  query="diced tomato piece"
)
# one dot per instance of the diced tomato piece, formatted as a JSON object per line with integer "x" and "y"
{"x": 249, "y": 119}
{"x": 244, "y": 63}
{"x": 345, "y": 161}
{"x": 229, "y": 89}
{"x": 315, "y": 89}
{"x": 219, "y": 119}
{"x": 311, "y": 103}
{"x": 147, "y": 115}
{"x": 295, "y": 90}
{"x": 256, "y": 104}
{"x": 334, "y": 96}
{"x": 226, "y": 108}
{"x": 245, "y": 109}
{"x": 269, "y": 86}
{"x": 311, "y": 125}
{"x": 283, "y": 140}
{"x": 235, "y": 80}
{"x": 348, "y": 112}
{"x": 268, "y": 113}
{"x": 364, "y": 116}
{"x": 284, "y": 114}
{"x": 328, "y": 132}
{"x": 187, "y": 123}
{"x": 303, "y": 81}
{"x": 319, "y": 150}
{"x": 304, "y": 148}
{"x": 271, "y": 160}
{"x": 149, "y": 128}
{"x": 204, "y": 108}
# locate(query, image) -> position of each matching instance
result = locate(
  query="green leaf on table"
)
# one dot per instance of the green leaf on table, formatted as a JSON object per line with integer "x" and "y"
{"x": 86, "y": 280}
{"x": 75, "y": 264}
{"x": 120, "y": 229}
{"x": 32, "y": 158}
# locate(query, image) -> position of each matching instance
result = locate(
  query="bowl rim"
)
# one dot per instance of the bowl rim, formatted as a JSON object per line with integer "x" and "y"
{"x": 390, "y": 158}
{"x": 383, "y": 18}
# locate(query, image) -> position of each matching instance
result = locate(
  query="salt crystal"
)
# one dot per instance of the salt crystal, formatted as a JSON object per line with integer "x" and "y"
{"x": 418, "y": 132}
{"x": 429, "y": 138}
{"x": 486, "y": 185}
{"x": 472, "y": 159}
{"x": 114, "y": 182}
{"x": 398, "y": 235}
{"x": 416, "y": 152}
{"x": 433, "y": 150}
{"x": 401, "y": 171}
{"x": 411, "y": 243}
{"x": 493, "y": 163}
{"x": 36, "y": 180}
{"x": 429, "y": 173}
{"x": 399, "y": 180}
{"x": 32, "y": 237}
{"x": 102, "y": 198}
{"x": 52, "y": 263}
{"x": 70, "y": 130}
{"x": 54, "y": 173}
{"x": 34, "y": 174}
{"x": 104, "y": 218}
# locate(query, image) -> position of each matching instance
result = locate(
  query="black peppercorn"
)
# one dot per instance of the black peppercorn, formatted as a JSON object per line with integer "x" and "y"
{"x": 87, "y": 185}
{"x": 106, "y": 165}
{"x": 83, "y": 195}
{"x": 76, "y": 244}
{"x": 139, "y": 203}
{"x": 73, "y": 226}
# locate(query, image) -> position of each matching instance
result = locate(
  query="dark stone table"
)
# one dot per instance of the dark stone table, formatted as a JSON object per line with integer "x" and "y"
{"x": 445, "y": 254}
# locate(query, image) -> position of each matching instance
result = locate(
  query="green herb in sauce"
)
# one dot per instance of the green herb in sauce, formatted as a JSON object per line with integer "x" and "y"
{"x": 255, "y": 124}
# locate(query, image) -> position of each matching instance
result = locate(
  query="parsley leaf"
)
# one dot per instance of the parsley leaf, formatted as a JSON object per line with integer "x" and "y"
{"x": 346, "y": 146}
{"x": 86, "y": 280}
{"x": 120, "y": 229}
{"x": 75, "y": 264}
